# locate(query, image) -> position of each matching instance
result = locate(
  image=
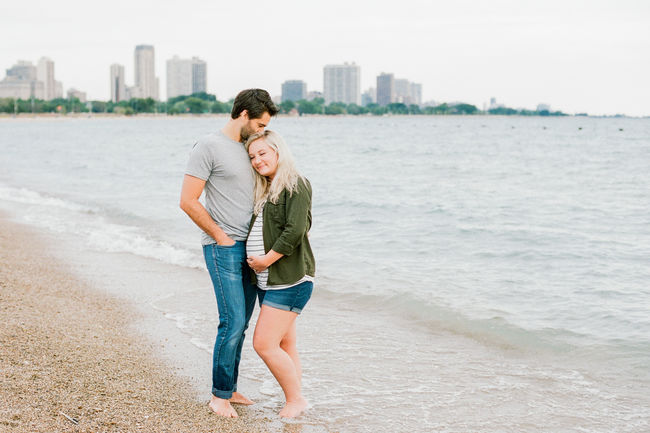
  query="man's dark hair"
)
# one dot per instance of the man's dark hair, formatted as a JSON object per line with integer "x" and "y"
{"x": 255, "y": 101}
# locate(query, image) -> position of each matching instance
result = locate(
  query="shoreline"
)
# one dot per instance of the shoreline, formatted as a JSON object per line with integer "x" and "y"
{"x": 67, "y": 350}
{"x": 57, "y": 116}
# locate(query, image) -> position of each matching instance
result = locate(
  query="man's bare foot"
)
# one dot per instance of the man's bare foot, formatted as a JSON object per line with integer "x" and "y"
{"x": 294, "y": 408}
{"x": 222, "y": 407}
{"x": 238, "y": 398}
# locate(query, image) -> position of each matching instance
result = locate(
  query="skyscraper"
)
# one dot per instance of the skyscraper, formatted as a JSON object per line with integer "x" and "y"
{"x": 294, "y": 90}
{"x": 416, "y": 94}
{"x": 146, "y": 82}
{"x": 45, "y": 74}
{"x": 118, "y": 86}
{"x": 186, "y": 76}
{"x": 385, "y": 89}
{"x": 342, "y": 83}
{"x": 199, "y": 75}
{"x": 179, "y": 77}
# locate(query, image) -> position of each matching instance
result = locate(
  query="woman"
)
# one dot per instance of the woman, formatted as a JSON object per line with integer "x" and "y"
{"x": 279, "y": 254}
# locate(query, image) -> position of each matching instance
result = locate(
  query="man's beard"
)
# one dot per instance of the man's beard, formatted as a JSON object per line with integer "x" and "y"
{"x": 245, "y": 132}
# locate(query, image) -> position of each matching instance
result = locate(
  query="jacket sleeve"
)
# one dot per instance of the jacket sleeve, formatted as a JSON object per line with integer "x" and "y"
{"x": 297, "y": 209}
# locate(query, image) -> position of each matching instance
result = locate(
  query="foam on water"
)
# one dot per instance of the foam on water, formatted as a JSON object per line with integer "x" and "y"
{"x": 98, "y": 232}
{"x": 25, "y": 196}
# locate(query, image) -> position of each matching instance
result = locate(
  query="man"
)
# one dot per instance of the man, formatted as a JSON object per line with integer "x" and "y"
{"x": 219, "y": 164}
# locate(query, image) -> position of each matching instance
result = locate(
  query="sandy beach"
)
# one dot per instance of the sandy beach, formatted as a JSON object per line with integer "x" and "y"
{"x": 67, "y": 353}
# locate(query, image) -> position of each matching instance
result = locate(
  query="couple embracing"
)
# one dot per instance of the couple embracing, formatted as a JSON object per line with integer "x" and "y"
{"x": 255, "y": 224}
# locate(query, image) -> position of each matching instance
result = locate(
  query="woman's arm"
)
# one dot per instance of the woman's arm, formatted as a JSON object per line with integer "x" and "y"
{"x": 297, "y": 221}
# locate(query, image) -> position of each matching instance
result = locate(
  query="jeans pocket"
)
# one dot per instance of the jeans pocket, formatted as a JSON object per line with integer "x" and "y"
{"x": 226, "y": 246}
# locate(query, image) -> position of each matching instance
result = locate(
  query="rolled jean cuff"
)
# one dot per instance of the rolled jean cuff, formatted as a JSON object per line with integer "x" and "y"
{"x": 221, "y": 394}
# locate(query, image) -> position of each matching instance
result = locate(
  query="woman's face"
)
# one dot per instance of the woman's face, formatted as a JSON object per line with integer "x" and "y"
{"x": 263, "y": 158}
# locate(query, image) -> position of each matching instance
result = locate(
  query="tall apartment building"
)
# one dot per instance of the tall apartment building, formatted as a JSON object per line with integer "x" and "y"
{"x": 186, "y": 76}
{"x": 199, "y": 75}
{"x": 294, "y": 90}
{"x": 342, "y": 83}
{"x": 45, "y": 74}
{"x": 146, "y": 82}
{"x": 416, "y": 94}
{"x": 118, "y": 85}
{"x": 385, "y": 89}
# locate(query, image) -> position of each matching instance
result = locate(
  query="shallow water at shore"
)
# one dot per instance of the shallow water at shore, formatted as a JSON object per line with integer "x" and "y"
{"x": 530, "y": 308}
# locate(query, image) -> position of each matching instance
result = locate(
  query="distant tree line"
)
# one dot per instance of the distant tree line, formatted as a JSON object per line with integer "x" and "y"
{"x": 505, "y": 111}
{"x": 200, "y": 103}
{"x": 317, "y": 106}
{"x": 196, "y": 104}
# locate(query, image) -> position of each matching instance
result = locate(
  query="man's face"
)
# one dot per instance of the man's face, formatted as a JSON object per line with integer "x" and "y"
{"x": 253, "y": 126}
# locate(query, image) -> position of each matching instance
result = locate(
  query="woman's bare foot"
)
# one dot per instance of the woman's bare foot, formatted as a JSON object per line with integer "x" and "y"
{"x": 294, "y": 408}
{"x": 238, "y": 398}
{"x": 222, "y": 407}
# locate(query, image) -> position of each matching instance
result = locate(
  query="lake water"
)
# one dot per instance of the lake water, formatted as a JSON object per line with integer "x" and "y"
{"x": 473, "y": 273}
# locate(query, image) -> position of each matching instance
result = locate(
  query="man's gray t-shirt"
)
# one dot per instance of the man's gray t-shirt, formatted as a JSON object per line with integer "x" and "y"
{"x": 226, "y": 168}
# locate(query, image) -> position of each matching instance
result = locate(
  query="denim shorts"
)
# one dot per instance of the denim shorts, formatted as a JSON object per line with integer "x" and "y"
{"x": 290, "y": 299}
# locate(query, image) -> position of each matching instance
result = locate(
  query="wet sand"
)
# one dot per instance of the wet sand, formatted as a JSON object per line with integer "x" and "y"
{"x": 67, "y": 350}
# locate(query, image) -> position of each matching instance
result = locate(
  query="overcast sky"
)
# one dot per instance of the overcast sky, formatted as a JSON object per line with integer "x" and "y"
{"x": 578, "y": 56}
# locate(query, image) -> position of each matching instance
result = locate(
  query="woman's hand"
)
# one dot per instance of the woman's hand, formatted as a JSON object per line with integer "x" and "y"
{"x": 258, "y": 263}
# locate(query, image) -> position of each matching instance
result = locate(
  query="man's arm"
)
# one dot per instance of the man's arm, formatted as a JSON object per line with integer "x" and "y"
{"x": 190, "y": 194}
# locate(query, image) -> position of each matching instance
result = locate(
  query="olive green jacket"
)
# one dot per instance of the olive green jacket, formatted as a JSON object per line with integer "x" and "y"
{"x": 285, "y": 230}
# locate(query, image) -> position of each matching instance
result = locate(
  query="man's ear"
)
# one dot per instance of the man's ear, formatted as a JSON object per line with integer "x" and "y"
{"x": 244, "y": 114}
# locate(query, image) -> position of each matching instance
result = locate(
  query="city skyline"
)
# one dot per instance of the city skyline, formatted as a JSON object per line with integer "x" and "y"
{"x": 574, "y": 55}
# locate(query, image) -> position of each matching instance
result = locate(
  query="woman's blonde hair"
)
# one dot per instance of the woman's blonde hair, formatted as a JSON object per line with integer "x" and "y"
{"x": 286, "y": 175}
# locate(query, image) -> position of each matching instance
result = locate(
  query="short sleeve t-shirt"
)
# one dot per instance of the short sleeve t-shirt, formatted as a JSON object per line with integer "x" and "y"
{"x": 225, "y": 167}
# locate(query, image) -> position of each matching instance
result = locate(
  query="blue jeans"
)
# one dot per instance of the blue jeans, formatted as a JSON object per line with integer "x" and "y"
{"x": 235, "y": 300}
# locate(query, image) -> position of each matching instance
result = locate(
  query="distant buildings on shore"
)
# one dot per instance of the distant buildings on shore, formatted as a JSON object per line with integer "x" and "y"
{"x": 293, "y": 90}
{"x": 74, "y": 93}
{"x": 342, "y": 83}
{"x": 184, "y": 77}
{"x": 118, "y": 84}
{"x": 26, "y": 81}
{"x": 187, "y": 76}
{"x": 146, "y": 83}
{"x": 397, "y": 90}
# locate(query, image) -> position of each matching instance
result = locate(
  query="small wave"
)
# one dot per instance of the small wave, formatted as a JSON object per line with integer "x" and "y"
{"x": 61, "y": 216}
{"x": 116, "y": 238}
{"x": 26, "y": 196}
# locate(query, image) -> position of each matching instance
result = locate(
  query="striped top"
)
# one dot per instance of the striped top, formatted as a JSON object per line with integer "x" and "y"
{"x": 255, "y": 247}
